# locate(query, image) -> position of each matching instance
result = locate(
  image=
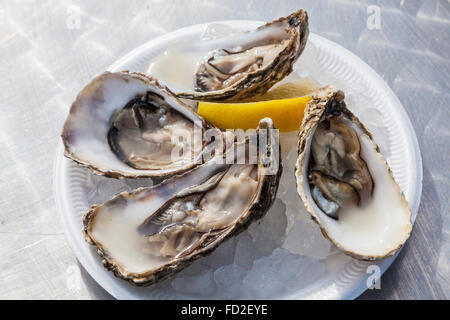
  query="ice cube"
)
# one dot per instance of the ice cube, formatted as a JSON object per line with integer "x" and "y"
{"x": 229, "y": 281}
{"x": 281, "y": 273}
{"x": 223, "y": 255}
{"x": 306, "y": 239}
{"x": 245, "y": 252}
{"x": 197, "y": 280}
{"x": 100, "y": 189}
{"x": 214, "y": 30}
{"x": 269, "y": 232}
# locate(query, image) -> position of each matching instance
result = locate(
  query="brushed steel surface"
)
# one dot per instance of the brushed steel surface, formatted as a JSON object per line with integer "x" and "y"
{"x": 50, "y": 49}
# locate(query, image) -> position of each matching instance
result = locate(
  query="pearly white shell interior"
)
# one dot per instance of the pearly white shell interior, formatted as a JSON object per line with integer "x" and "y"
{"x": 379, "y": 227}
{"x": 87, "y": 126}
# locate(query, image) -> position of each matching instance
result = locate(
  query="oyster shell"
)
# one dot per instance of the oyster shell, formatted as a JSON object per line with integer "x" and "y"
{"x": 150, "y": 233}
{"x": 125, "y": 124}
{"x": 346, "y": 184}
{"x": 234, "y": 67}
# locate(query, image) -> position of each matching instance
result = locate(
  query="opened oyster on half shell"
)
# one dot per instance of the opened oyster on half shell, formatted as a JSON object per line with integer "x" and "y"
{"x": 237, "y": 66}
{"x": 128, "y": 125}
{"x": 346, "y": 184}
{"x": 125, "y": 124}
{"x": 150, "y": 233}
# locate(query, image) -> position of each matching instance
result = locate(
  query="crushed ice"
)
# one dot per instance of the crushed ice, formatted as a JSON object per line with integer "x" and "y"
{"x": 280, "y": 254}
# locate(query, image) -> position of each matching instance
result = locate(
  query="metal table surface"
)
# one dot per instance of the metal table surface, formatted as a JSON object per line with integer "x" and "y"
{"x": 50, "y": 49}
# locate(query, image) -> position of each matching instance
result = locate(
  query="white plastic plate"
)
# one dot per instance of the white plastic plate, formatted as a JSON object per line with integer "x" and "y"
{"x": 331, "y": 64}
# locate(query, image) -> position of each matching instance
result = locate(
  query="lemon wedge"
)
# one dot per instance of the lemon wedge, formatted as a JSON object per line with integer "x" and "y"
{"x": 284, "y": 104}
{"x": 293, "y": 89}
{"x": 286, "y": 114}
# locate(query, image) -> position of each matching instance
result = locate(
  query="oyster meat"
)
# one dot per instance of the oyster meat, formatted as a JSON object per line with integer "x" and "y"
{"x": 125, "y": 124}
{"x": 346, "y": 184}
{"x": 150, "y": 233}
{"x": 237, "y": 66}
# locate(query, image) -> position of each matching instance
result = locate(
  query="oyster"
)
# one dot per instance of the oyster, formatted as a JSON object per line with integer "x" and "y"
{"x": 234, "y": 67}
{"x": 150, "y": 233}
{"x": 346, "y": 184}
{"x": 125, "y": 124}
